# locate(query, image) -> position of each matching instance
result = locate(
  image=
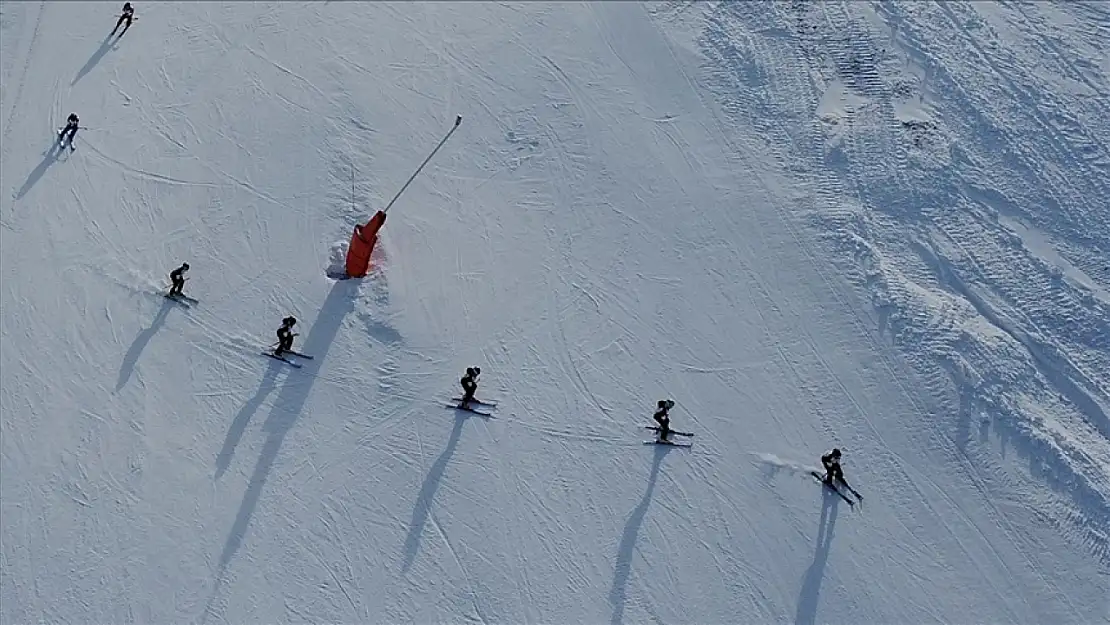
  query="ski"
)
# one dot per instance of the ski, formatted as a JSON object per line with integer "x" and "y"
{"x": 179, "y": 301}
{"x": 491, "y": 404}
{"x": 285, "y": 360}
{"x": 181, "y": 298}
{"x": 670, "y": 443}
{"x": 836, "y": 490}
{"x": 852, "y": 490}
{"x": 191, "y": 300}
{"x": 298, "y": 354}
{"x": 471, "y": 410}
{"x": 656, "y": 428}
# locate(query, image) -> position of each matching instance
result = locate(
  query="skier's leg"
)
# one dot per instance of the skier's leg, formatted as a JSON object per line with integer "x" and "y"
{"x": 126, "y": 26}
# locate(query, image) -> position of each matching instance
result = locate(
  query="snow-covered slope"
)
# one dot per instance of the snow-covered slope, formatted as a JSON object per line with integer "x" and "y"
{"x": 878, "y": 227}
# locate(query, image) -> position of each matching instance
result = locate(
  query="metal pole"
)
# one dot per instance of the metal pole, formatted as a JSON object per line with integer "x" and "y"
{"x": 458, "y": 120}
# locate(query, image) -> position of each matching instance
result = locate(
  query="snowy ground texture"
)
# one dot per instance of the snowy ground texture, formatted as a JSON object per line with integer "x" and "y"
{"x": 878, "y": 226}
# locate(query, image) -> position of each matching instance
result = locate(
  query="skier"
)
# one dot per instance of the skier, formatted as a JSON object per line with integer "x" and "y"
{"x": 177, "y": 276}
{"x": 71, "y": 129}
{"x": 285, "y": 336}
{"x": 831, "y": 462}
{"x": 128, "y": 14}
{"x": 469, "y": 385}
{"x": 661, "y": 417}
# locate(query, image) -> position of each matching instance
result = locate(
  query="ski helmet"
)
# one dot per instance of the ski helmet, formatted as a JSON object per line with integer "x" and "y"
{"x": 470, "y": 372}
{"x": 836, "y": 453}
{"x": 185, "y": 266}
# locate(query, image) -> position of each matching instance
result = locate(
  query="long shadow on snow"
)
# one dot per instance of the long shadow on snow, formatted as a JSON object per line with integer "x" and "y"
{"x": 48, "y": 159}
{"x": 627, "y": 547}
{"x": 808, "y": 597}
{"x": 428, "y": 489}
{"x": 140, "y": 343}
{"x": 289, "y": 403}
{"x": 94, "y": 59}
{"x": 239, "y": 424}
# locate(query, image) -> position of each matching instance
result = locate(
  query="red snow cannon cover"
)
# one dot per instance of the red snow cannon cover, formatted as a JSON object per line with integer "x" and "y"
{"x": 362, "y": 245}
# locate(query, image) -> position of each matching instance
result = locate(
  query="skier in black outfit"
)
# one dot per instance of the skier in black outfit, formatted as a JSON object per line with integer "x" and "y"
{"x": 177, "y": 276}
{"x": 833, "y": 472}
{"x": 128, "y": 14}
{"x": 285, "y": 335}
{"x": 71, "y": 129}
{"x": 469, "y": 385}
{"x": 663, "y": 419}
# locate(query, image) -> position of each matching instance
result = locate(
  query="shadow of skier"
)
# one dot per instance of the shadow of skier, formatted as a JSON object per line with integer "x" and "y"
{"x": 626, "y": 549}
{"x": 288, "y": 405}
{"x": 806, "y": 613}
{"x": 139, "y": 344}
{"x": 105, "y": 46}
{"x": 239, "y": 424}
{"x": 428, "y": 489}
{"x": 48, "y": 159}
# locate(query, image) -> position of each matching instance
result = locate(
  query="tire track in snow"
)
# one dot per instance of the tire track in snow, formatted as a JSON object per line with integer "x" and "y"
{"x": 958, "y": 237}
{"x": 1017, "y": 538}
{"x": 948, "y": 70}
{"x": 867, "y": 82}
{"x": 824, "y": 6}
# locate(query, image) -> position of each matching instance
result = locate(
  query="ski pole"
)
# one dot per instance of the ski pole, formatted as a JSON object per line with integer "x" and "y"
{"x": 458, "y": 120}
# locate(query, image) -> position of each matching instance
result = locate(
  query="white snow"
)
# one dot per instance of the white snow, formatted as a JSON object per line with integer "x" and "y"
{"x": 880, "y": 226}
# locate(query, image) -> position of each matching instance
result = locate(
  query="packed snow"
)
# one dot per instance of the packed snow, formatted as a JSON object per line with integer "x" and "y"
{"x": 876, "y": 226}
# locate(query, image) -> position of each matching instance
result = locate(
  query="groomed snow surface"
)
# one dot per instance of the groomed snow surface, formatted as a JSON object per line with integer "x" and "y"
{"x": 882, "y": 227}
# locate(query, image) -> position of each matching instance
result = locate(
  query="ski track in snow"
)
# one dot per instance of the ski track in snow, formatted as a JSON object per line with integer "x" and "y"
{"x": 880, "y": 226}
